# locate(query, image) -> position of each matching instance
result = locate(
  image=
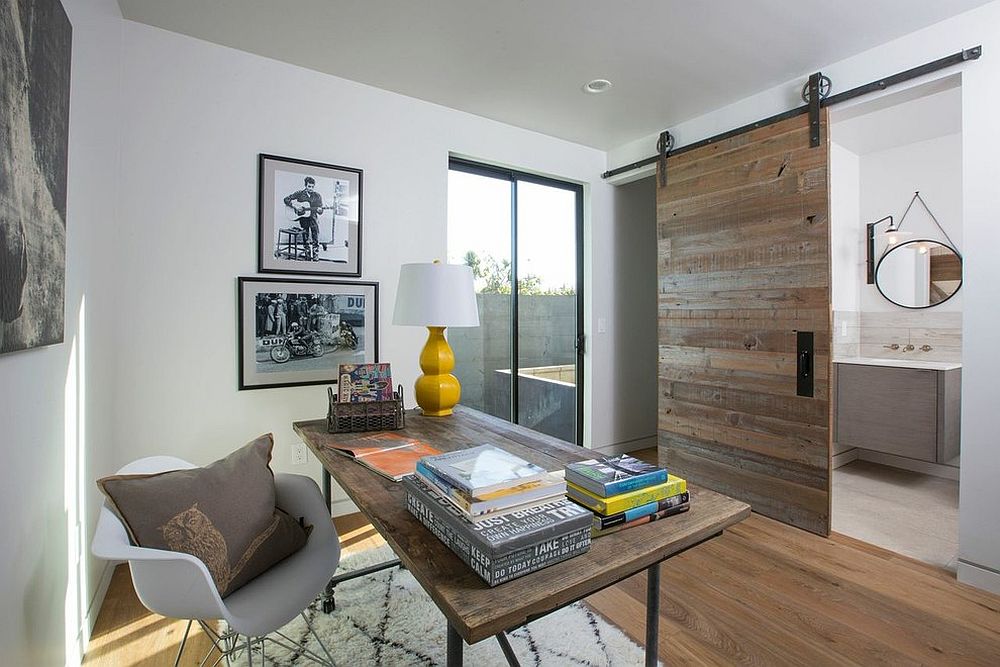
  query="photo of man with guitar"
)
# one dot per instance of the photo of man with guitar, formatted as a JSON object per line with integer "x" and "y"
{"x": 307, "y": 205}
{"x": 309, "y": 217}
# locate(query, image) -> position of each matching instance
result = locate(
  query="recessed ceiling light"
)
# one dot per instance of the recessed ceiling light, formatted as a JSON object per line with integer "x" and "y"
{"x": 597, "y": 86}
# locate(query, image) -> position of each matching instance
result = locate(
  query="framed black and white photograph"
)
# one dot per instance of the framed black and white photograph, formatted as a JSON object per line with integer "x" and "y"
{"x": 309, "y": 217}
{"x": 35, "y": 52}
{"x": 298, "y": 332}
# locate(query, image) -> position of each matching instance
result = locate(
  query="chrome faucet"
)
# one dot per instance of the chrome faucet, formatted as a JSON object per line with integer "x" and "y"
{"x": 926, "y": 348}
{"x": 894, "y": 346}
{"x": 908, "y": 348}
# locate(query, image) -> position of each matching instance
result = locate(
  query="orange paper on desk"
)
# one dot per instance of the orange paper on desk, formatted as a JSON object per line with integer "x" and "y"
{"x": 389, "y": 454}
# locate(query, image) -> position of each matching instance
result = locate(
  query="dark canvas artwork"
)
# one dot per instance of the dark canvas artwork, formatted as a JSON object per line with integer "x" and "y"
{"x": 35, "y": 40}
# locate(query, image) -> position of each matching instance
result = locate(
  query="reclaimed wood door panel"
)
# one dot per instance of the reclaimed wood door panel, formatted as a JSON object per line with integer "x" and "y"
{"x": 743, "y": 263}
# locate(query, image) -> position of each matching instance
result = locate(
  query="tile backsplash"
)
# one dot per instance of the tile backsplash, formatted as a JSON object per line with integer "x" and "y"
{"x": 874, "y": 335}
{"x": 846, "y": 334}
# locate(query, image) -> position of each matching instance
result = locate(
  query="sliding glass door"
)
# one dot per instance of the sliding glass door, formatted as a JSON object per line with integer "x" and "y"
{"x": 523, "y": 237}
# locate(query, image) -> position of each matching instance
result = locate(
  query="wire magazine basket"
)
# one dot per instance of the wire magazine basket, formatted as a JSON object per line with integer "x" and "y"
{"x": 366, "y": 415}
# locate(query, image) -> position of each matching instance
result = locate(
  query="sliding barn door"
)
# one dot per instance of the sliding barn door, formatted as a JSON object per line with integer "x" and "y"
{"x": 744, "y": 267}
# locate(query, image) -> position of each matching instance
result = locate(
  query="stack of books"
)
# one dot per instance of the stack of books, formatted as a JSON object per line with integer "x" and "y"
{"x": 623, "y": 492}
{"x": 503, "y": 516}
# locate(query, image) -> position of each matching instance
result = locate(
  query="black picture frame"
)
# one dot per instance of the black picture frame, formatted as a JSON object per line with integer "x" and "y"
{"x": 286, "y": 241}
{"x": 36, "y": 47}
{"x": 900, "y": 246}
{"x": 317, "y": 357}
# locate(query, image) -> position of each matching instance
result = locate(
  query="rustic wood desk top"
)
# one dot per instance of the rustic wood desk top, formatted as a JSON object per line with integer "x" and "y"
{"x": 475, "y": 610}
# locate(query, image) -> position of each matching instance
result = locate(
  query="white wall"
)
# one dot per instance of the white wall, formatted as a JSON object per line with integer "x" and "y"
{"x": 57, "y": 401}
{"x": 195, "y": 117}
{"x": 979, "y": 548}
{"x": 847, "y": 234}
{"x": 633, "y": 323}
{"x": 888, "y": 179}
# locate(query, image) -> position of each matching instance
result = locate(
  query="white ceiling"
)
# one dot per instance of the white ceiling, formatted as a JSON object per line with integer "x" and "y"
{"x": 524, "y": 62}
{"x": 916, "y": 114}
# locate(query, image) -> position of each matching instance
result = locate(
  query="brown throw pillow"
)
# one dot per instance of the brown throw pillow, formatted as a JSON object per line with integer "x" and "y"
{"x": 223, "y": 514}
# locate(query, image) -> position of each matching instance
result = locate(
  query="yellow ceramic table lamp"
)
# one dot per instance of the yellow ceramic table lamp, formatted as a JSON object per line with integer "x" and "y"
{"x": 436, "y": 296}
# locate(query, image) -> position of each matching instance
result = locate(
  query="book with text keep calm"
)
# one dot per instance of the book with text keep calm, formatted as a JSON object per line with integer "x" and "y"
{"x": 504, "y": 547}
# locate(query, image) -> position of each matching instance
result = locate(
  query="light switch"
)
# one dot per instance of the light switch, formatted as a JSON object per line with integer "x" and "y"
{"x": 602, "y": 325}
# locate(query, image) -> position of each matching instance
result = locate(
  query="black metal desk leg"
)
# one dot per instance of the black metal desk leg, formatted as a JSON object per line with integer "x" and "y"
{"x": 508, "y": 651}
{"x": 327, "y": 491}
{"x": 652, "y": 614}
{"x": 454, "y": 648}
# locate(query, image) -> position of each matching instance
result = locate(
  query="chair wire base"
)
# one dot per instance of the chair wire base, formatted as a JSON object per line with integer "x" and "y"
{"x": 231, "y": 646}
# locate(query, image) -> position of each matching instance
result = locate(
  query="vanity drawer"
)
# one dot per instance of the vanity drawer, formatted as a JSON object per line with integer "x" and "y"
{"x": 891, "y": 410}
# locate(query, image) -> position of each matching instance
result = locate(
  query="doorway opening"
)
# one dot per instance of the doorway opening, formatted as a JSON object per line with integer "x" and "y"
{"x": 897, "y": 342}
{"x": 522, "y": 234}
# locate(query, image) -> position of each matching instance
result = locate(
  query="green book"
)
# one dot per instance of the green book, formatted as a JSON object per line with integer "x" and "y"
{"x": 626, "y": 501}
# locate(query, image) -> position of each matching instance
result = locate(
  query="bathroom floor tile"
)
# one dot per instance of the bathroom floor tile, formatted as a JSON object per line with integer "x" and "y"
{"x": 910, "y": 513}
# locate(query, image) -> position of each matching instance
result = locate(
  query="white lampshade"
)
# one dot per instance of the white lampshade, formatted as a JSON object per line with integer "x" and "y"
{"x": 894, "y": 237}
{"x": 436, "y": 295}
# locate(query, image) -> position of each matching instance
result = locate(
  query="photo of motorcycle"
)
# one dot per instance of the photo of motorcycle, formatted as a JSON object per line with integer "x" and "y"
{"x": 301, "y": 347}
{"x": 309, "y": 345}
{"x": 346, "y": 338}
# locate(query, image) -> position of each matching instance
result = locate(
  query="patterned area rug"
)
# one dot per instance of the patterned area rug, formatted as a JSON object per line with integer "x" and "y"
{"x": 387, "y": 619}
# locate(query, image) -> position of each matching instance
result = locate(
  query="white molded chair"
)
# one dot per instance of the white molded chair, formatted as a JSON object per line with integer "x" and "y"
{"x": 179, "y": 585}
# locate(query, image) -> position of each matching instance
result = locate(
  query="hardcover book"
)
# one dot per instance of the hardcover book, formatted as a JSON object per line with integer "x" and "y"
{"x": 499, "y": 535}
{"x": 602, "y": 522}
{"x": 358, "y": 383}
{"x": 548, "y": 487}
{"x": 611, "y": 475}
{"x": 494, "y": 568}
{"x": 626, "y": 501}
{"x": 655, "y": 516}
{"x": 483, "y": 469}
{"x": 389, "y": 454}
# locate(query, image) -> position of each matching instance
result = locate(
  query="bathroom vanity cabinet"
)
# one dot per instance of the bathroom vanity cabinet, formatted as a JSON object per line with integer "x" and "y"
{"x": 904, "y": 408}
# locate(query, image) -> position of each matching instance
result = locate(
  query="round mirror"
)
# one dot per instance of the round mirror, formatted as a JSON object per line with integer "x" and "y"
{"x": 919, "y": 273}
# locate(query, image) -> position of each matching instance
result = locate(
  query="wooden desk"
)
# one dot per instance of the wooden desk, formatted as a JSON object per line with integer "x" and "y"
{"x": 474, "y": 610}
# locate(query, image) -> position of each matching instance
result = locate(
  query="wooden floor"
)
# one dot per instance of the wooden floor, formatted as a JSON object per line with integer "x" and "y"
{"x": 762, "y": 594}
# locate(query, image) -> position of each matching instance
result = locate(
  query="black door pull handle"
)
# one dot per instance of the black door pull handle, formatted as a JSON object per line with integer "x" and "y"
{"x": 804, "y": 365}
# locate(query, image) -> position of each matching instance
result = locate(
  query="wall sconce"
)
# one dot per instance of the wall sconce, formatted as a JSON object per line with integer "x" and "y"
{"x": 892, "y": 236}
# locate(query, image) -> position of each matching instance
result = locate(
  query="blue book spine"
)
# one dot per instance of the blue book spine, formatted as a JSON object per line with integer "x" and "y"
{"x": 641, "y": 510}
{"x": 633, "y": 483}
{"x": 437, "y": 479}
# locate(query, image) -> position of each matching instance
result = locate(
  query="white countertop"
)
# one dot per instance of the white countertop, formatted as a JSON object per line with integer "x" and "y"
{"x": 926, "y": 364}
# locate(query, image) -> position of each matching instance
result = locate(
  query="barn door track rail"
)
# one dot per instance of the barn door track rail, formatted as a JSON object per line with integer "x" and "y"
{"x": 816, "y": 95}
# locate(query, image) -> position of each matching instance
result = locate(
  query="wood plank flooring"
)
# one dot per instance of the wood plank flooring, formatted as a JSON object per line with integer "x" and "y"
{"x": 762, "y": 594}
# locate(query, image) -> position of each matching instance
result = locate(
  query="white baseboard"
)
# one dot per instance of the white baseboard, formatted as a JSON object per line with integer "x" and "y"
{"x": 628, "y": 446}
{"x": 94, "y": 608}
{"x": 925, "y": 467}
{"x": 844, "y": 458}
{"x": 985, "y": 578}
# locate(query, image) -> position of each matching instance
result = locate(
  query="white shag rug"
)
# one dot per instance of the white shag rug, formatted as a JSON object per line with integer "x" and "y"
{"x": 386, "y": 618}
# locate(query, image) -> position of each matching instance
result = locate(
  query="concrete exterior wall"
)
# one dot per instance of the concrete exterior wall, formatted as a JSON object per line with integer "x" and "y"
{"x": 547, "y": 338}
{"x": 544, "y": 405}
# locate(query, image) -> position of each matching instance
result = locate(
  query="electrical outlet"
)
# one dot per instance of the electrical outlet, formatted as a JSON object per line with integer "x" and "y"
{"x": 299, "y": 454}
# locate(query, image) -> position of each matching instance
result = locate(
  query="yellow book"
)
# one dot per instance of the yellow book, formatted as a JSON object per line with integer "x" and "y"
{"x": 626, "y": 501}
